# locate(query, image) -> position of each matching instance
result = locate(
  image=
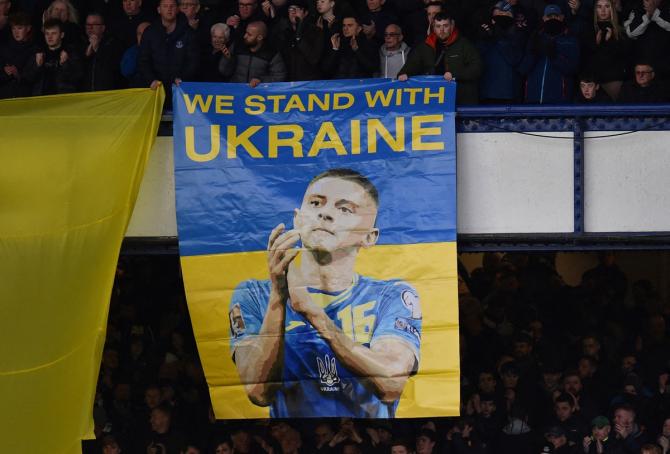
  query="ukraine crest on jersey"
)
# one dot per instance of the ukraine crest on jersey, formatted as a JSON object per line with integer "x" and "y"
{"x": 315, "y": 383}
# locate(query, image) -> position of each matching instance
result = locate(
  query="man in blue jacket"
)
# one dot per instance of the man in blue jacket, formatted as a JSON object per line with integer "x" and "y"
{"x": 551, "y": 61}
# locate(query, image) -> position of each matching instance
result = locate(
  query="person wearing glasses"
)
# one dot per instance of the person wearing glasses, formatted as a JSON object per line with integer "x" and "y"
{"x": 102, "y": 57}
{"x": 644, "y": 89}
{"x": 393, "y": 53}
{"x": 247, "y": 11}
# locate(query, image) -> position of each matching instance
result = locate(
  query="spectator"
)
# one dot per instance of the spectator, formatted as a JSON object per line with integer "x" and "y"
{"x": 584, "y": 404}
{"x": 399, "y": 446}
{"x": 102, "y": 58}
{"x": 110, "y": 445}
{"x": 254, "y": 61}
{"x": 196, "y": 20}
{"x": 420, "y": 22}
{"x": 644, "y": 89}
{"x": 348, "y": 432}
{"x": 375, "y": 20}
{"x": 651, "y": 449}
{"x": 5, "y": 26}
{"x": 649, "y": 26}
{"x": 323, "y": 434}
{"x": 129, "y": 59}
{"x": 124, "y": 27}
{"x": 551, "y": 60}
{"x": 393, "y": 53}
{"x": 351, "y": 55}
{"x": 627, "y": 430}
{"x": 15, "y": 57}
{"x": 565, "y": 417}
{"x": 381, "y": 436}
{"x": 55, "y": 69}
{"x": 246, "y": 13}
{"x": 213, "y": 52}
{"x": 557, "y": 441}
{"x": 590, "y": 93}
{"x": 606, "y": 49}
{"x": 663, "y": 439}
{"x": 162, "y": 433}
{"x": 169, "y": 50}
{"x": 65, "y": 12}
{"x": 327, "y": 21}
{"x": 300, "y": 42}
{"x": 223, "y": 447}
{"x": 600, "y": 442}
{"x": 425, "y": 441}
{"x": 447, "y": 53}
{"x": 501, "y": 47}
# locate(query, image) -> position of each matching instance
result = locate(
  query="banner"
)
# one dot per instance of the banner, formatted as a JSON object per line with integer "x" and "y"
{"x": 70, "y": 170}
{"x": 317, "y": 233}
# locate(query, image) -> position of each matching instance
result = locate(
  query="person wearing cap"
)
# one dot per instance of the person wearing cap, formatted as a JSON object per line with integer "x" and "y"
{"x": 551, "y": 60}
{"x": 449, "y": 54}
{"x": 599, "y": 442}
{"x": 557, "y": 439}
{"x": 300, "y": 42}
{"x": 501, "y": 45}
{"x": 351, "y": 55}
{"x": 254, "y": 61}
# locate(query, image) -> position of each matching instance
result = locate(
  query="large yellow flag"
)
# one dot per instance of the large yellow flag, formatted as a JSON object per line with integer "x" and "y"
{"x": 70, "y": 170}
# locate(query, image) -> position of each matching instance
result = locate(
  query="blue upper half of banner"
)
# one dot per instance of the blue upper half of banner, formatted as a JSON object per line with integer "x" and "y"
{"x": 245, "y": 156}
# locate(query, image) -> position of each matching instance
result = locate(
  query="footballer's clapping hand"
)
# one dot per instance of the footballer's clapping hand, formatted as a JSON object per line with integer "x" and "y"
{"x": 280, "y": 253}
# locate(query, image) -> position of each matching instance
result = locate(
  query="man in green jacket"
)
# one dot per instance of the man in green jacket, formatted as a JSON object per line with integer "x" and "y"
{"x": 446, "y": 52}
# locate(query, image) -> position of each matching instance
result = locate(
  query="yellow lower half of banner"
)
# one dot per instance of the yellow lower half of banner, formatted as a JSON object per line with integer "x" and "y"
{"x": 430, "y": 268}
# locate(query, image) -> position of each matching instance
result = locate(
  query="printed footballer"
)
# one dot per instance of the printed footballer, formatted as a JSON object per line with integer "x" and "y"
{"x": 317, "y": 339}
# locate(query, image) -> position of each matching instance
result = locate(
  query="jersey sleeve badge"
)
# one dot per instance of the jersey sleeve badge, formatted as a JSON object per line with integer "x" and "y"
{"x": 411, "y": 302}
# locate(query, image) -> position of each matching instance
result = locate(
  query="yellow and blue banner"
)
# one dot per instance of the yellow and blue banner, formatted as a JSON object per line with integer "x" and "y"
{"x": 70, "y": 170}
{"x": 317, "y": 233}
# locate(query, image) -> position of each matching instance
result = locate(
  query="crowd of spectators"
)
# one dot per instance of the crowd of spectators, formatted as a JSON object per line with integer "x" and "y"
{"x": 545, "y": 367}
{"x": 499, "y": 52}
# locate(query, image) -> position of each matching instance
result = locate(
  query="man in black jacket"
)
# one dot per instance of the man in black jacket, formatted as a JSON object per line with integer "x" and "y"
{"x": 300, "y": 42}
{"x": 352, "y": 55}
{"x": 15, "y": 56}
{"x": 645, "y": 88}
{"x": 169, "y": 50}
{"x": 102, "y": 58}
{"x": 55, "y": 69}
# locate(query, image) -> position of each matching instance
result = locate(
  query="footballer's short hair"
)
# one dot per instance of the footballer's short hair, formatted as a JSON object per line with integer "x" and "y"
{"x": 349, "y": 175}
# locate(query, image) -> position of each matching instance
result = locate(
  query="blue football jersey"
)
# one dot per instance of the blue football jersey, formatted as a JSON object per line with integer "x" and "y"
{"x": 315, "y": 383}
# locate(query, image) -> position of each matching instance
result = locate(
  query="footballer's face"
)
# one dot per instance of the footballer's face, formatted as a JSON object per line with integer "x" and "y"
{"x": 336, "y": 214}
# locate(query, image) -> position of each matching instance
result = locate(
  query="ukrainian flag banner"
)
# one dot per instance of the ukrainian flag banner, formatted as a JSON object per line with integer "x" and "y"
{"x": 317, "y": 232}
{"x": 70, "y": 170}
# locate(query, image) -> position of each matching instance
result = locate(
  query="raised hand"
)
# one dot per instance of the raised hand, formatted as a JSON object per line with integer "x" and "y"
{"x": 280, "y": 255}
